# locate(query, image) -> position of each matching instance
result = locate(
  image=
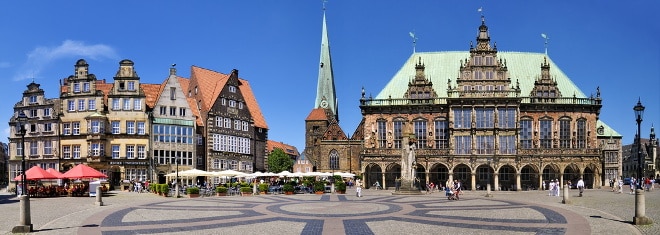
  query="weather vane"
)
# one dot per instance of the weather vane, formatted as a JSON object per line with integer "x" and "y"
{"x": 412, "y": 35}
{"x": 546, "y": 42}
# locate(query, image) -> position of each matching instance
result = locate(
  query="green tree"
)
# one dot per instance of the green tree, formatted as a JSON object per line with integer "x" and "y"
{"x": 278, "y": 161}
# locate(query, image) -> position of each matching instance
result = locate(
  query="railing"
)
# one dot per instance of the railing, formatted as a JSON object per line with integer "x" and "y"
{"x": 536, "y": 151}
{"x": 528, "y": 100}
{"x": 561, "y": 100}
{"x": 448, "y": 152}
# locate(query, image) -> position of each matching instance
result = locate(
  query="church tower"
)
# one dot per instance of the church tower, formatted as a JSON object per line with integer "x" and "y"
{"x": 326, "y": 97}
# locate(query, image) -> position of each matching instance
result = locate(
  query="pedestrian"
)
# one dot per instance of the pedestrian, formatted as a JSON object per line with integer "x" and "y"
{"x": 620, "y": 185}
{"x": 551, "y": 188}
{"x": 457, "y": 188}
{"x": 358, "y": 188}
{"x": 632, "y": 185}
{"x": 580, "y": 186}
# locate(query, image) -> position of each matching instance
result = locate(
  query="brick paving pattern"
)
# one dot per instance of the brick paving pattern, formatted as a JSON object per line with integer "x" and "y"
{"x": 599, "y": 211}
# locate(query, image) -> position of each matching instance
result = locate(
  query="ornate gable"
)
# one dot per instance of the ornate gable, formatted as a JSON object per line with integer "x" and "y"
{"x": 545, "y": 87}
{"x": 483, "y": 74}
{"x": 420, "y": 87}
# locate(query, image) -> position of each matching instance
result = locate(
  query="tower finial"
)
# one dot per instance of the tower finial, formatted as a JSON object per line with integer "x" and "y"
{"x": 546, "y": 42}
{"x": 324, "y": 1}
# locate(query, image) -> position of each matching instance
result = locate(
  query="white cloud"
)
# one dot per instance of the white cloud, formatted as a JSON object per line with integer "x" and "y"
{"x": 41, "y": 57}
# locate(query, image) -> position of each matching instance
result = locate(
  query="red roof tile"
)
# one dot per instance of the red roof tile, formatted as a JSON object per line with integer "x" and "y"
{"x": 317, "y": 114}
{"x": 253, "y": 106}
{"x": 288, "y": 149}
{"x": 191, "y": 100}
{"x": 152, "y": 91}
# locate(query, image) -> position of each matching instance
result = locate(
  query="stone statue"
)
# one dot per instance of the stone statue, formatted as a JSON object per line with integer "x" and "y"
{"x": 408, "y": 161}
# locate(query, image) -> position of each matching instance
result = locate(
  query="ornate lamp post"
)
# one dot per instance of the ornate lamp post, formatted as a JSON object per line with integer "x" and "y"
{"x": 639, "y": 112}
{"x": 25, "y": 223}
{"x": 640, "y": 204}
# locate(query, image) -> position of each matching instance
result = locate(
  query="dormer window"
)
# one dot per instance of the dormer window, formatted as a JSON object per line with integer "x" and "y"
{"x": 131, "y": 86}
{"x": 122, "y": 86}
{"x": 76, "y": 87}
{"x": 86, "y": 87}
{"x": 33, "y": 99}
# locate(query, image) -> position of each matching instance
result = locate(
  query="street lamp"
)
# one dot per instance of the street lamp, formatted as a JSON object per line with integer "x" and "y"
{"x": 25, "y": 223}
{"x": 176, "y": 181}
{"x": 640, "y": 204}
{"x": 639, "y": 112}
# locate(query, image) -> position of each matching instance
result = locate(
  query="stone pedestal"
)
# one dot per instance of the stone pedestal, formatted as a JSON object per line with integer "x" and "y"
{"x": 25, "y": 223}
{"x": 640, "y": 209}
{"x": 407, "y": 188}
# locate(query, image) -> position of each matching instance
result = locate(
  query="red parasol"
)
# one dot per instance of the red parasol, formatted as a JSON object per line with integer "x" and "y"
{"x": 36, "y": 173}
{"x": 55, "y": 173}
{"x": 83, "y": 171}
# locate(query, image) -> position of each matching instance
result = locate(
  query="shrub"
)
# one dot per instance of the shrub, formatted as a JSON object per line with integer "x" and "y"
{"x": 221, "y": 189}
{"x": 340, "y": 185}
{"x": 192, "y": 190}
{"x": 319, "y": 186}
{"x": 164, "y": 188}
{"x": 263, "y": 187}
{"x": 287, "y": 188}
{"x": 246, "y": 190}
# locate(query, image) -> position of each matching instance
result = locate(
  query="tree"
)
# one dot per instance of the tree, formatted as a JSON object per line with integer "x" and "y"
{"x": 278, "y": 161}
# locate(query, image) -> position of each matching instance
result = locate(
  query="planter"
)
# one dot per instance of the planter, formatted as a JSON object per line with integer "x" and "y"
{"x": 341, "y": 192}
{"x": 288, "y": 193}
{"x": 246, "y": 194}
{"x": 193, "y": 195}
{"x": 222, "y": 194}
{"x": 319, "y": 192}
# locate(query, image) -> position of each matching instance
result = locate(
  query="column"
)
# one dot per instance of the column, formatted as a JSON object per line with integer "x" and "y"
{"x": 473, "y": 181}
{"x": 496, "y": 179}
{"x": 541, "y": 186}
{"x": 518, "y": 185}
{"x": 383, "y": 181}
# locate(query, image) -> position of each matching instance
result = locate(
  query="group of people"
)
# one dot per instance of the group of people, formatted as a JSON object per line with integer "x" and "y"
{"x": 453, "y": 189}
{"x": 553, "y": 188}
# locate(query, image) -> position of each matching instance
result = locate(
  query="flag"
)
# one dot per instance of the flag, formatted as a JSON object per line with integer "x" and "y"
{"x": 480, "y": 9}
{"x": 544, "y": 36}
{"x": 412, "y": 35}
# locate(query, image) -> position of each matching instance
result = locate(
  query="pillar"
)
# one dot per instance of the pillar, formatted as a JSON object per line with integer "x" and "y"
{"x": 496, "y": 179}
{"x": 473, "y": 181}
{"x": 541, "y": 184}
{"x": 640, "y": 209}
{"x": 383, "y": 180}
{"x": 518, "y": 185}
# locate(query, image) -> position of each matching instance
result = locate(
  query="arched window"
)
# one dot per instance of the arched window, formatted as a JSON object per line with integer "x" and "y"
{"x": 334, "y": 159}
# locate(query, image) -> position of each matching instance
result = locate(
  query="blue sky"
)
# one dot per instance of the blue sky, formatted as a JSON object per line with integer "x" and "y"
{"x": 275, "y": 45}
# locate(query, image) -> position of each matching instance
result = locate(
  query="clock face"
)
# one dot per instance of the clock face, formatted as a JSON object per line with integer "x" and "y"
{"x": 324, "y": 104}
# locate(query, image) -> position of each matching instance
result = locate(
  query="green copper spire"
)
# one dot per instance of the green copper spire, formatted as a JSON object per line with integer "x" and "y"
{"x": 325, "y": 90}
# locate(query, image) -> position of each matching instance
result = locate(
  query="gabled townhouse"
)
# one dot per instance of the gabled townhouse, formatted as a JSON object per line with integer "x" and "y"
{"x": 173, "y": 141}
{"x": 231, "y": 126}
{"x": 41, "y": 133}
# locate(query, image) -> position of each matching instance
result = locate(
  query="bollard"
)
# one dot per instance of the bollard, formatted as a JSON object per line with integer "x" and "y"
{"x": 488, "y": 194}
{"x": 99, "y": 196}
{"x": 25, "y": 225}
{"x": 640, "y": 209}
{"x": 566, "y": 199}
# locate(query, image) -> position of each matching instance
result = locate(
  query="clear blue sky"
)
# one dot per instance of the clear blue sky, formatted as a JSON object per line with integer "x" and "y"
{"x": 275, "y": 45}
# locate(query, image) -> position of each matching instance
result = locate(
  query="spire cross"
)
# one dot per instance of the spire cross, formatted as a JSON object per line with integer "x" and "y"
{"x": 324, "y": 1}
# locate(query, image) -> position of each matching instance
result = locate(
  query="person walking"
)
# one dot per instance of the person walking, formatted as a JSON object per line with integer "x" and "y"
{"x": 358, "y": 188}
{"x": 620, "y": 185}
{"x": 580, "y": 186}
